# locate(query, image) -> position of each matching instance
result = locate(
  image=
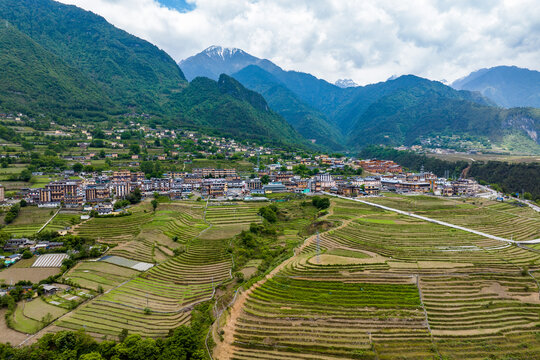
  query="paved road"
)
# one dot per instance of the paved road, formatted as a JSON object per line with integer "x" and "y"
{"x": 443, "y": 223}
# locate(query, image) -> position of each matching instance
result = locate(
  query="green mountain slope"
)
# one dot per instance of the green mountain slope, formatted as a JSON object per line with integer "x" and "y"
{"x": 310, "y": 123}
{"x": 134, "y": 72}
{"x": 227, "y": 108}
{"x": 430, "y": 109}
{"x": 33, "y": 79}
{"x": 60, "y": 60}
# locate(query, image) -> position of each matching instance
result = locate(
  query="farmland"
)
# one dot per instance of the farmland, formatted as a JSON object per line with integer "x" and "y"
{"x": 371, "y": 285}
{"x": 389, "y": 286}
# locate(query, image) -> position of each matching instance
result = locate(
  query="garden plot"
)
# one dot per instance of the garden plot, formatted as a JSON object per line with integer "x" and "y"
{"x": 49, "y": 260}
{"x": 132, "y": 264}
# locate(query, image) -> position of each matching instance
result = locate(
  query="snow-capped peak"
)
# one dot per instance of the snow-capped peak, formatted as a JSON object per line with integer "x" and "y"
{"x": 221, "y": 52}
{"x": 345, "y": 83}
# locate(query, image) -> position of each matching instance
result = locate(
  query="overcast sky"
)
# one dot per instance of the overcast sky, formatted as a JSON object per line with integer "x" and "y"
{"x": 365, "y": 40}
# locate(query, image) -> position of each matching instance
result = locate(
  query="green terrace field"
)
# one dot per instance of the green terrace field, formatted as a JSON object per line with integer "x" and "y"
{"x": 153, "y": 302}
{"x": 29, "y": 221}
{"x": 167, "y": 291}
{"x": 388, "y": 286}
{"x": 504, "y": 219}
{"x": 93, "y": 274}
{"x": 63, "y": 221}
{"x": 233, "y": 213}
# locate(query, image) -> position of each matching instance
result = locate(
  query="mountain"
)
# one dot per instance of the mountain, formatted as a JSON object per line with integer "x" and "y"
{"x": 426, "y": 108}
{"x": 508, "y": 86}
{"x": 401, "y": 110}
{"x": 133, "y": 72}
{"x": 34, "y": 78}
{"x": 345, "y": 83}
{"x": 216, "y": 60}
{"x": 311, "y": 123}
{"x": 60, "y": 60}
{"x": 254, "y": 73}
{"x": 228, "y": 108}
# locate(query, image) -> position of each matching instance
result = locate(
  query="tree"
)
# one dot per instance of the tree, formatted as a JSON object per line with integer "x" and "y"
{"x": 135, "y": 149}
{"x": 265, "y": 179}
{"x": 91, "y": 356}
{"x": 25, "y": 175}
{"x": 26, "y": 254}
{"x": 155, "y": 204}
{"x": 320, "y": 203}
{"x": 123, "y": 335}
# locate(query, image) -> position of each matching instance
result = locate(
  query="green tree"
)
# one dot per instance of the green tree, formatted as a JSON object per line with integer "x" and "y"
{"x": 155, "y": 204}
{"x": 265, "y": 179}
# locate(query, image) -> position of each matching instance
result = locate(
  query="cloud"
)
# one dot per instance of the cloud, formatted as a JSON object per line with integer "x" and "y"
{"x": 367, "y": 41}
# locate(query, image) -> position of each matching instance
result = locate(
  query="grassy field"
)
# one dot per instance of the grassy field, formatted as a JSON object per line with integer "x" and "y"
{"x": 30, "y": 316}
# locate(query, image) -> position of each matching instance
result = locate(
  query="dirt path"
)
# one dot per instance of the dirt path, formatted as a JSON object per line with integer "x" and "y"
{"x": 224, "y": 350}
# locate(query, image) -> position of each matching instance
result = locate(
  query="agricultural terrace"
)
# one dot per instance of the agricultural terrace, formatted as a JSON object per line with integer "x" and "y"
{"x": 63, "y": 220}
{"x": 160, "y": 299}
{"x": 233, "y": 213}
{"x": 29, "y": 221}
{"x": 505, "y": 219}
{"x": 386, "y": 286}
{"x": 145, "y": 235}
{"x": 94, "y": 274}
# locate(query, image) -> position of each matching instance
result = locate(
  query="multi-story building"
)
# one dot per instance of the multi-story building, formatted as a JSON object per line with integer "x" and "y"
{"x": 214, "y": 187}
{"x": 96, "y": 193}
{"x": 216, "y": 173}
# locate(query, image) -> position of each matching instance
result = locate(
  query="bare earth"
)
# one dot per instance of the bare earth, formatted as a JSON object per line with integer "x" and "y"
{"x": 35, "y": 275}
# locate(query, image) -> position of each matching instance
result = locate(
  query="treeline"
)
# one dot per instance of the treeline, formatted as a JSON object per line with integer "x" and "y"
{"x": 185, "y": 343}
{"x": 509, "y": 178}
{"x": 512, "y": 178}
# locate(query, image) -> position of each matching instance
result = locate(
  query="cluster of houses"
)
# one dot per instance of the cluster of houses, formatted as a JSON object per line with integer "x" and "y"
{"x": 20, "y": 244}
{"x": 102, "y": 188}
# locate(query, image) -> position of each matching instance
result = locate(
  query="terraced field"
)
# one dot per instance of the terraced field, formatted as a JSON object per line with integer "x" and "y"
{"x": 62, "y": 221}
{"x": 507, "y": 220}
{"x": 234, "y": 213}
{"x": 161, "y": 298}
{"x": 387, "y": 286}
{"x": 29, "y": 221}
{"x": 93, "y": 274}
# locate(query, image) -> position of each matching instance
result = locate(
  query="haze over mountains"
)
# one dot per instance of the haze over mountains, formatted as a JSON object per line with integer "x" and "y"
{"x": 398, "y": 111}
{"x": 64, "y": 62}
{"x": 508, "y": 86}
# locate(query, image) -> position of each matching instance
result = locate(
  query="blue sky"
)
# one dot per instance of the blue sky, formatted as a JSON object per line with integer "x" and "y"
{"x": 180, "y": 5}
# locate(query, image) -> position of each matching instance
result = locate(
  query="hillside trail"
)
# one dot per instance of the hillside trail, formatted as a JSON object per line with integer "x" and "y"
{"x": 224, "y": 350}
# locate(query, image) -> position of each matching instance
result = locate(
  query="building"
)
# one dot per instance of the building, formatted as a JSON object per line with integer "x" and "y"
{"x": 215, "y": 173}
{"x": 2, "y": 194}
{"x": 214, "y": 187}
{"x": 275, "y": 187}
{"x": 96, "y": 193}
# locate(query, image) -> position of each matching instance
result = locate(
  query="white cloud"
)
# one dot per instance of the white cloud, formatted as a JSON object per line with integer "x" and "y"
{"x": 367, "y": 40}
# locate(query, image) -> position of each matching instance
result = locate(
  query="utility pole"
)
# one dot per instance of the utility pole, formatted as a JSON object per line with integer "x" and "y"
{"x": 318, "y": 247}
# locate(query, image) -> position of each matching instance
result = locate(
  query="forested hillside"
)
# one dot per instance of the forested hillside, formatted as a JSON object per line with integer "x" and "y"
{"x": 33, "y": 78}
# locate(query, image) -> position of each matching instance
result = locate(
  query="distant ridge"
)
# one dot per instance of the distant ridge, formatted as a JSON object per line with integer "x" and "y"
{"x": 507, "y": 86}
